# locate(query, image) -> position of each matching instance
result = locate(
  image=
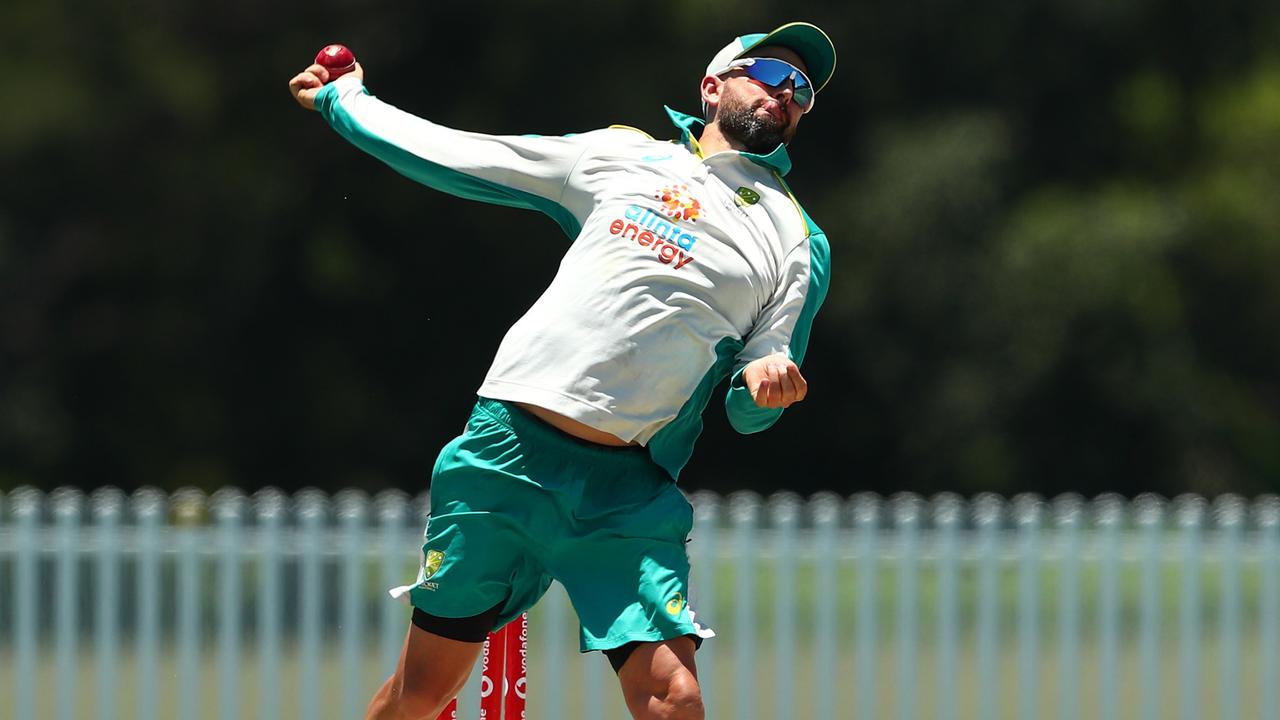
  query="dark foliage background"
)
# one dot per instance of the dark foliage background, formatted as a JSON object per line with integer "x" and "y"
{"x": 1055, "y": 230}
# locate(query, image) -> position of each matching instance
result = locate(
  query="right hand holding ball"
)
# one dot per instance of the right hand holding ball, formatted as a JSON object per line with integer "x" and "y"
{"x": 332, "y": 62}
{"x": 337, "y": 59}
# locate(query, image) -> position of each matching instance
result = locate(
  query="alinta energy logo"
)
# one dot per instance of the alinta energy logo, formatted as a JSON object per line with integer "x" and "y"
{"x": 661, "y": 231}
{"x": 676, "y": 205}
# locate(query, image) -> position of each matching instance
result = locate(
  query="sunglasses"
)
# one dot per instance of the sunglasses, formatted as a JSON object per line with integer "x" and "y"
{"x": 773, "y": 73}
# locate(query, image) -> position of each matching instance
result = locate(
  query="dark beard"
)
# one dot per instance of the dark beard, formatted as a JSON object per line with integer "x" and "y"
{"x": 758, "y": 134}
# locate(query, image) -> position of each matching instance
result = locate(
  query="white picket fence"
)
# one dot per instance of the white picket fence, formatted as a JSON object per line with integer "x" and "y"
{"x": 150, "y": 606}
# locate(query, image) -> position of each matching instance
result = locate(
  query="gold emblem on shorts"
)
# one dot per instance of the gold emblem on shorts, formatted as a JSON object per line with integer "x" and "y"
{"x": 431, "y": 563}
{"x": 675, "y": 604}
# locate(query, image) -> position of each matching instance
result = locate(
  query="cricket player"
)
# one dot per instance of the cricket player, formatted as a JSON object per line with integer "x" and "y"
{"x": 690, "y": 263}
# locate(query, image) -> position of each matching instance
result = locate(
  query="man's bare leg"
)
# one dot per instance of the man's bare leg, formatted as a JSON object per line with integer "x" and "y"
{"x": 431, "y": 671}
{"x": 660, "y": 681}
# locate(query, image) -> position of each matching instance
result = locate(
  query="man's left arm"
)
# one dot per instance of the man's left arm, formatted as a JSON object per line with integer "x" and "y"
{"x": 767, "y": 377}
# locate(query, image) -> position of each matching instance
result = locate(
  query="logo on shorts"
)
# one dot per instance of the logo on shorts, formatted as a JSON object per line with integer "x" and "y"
{"x": 675, "y": 605}
{"x": 430, "y": 566}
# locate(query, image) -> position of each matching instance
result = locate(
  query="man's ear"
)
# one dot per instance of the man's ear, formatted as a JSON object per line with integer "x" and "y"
{"x": 711, "y": 93}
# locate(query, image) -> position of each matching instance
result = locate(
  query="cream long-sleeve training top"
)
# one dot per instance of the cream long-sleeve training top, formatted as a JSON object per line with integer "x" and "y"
{"x": 682, "y": 268}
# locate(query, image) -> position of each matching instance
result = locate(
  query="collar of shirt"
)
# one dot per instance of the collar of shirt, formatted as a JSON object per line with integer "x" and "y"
{"x": 778, "y": 160}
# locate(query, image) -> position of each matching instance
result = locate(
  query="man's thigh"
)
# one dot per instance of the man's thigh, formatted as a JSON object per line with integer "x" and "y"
{"x": 660, "y": 679}
{"x": 433, "y": 664}
{"x": 649, "y": 664}
{"x": 431, "y": 670}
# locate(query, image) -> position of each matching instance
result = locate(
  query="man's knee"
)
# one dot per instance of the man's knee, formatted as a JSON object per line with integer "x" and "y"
{"x": 659, "y": 681}
{"x": 419, "y": 699}
{"x": 419, "y": 705}
{"x": 684, "y": 698}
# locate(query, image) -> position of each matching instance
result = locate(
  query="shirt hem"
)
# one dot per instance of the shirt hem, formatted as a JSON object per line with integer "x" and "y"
{"x": 571, "y": 407}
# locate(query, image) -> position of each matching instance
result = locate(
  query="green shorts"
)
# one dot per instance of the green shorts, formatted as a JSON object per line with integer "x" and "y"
{"x": 516, "y": 503}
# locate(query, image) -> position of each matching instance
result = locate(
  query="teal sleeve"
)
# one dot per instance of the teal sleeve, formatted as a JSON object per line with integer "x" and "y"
{"x": 744, "y": 415}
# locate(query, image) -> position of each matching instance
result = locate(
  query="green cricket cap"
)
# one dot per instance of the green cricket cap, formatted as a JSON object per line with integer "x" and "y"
{"x": 807, "y": 40}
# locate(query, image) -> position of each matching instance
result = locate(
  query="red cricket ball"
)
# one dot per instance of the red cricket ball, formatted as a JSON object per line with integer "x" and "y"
{"x": 337, "y": 59}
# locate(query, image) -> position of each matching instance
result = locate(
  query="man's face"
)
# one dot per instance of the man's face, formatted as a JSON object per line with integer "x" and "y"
{"x": 754, "y": 114}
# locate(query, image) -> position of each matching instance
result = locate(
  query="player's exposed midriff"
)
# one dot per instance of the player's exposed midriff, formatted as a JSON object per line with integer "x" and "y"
{"x": 569, "y": 426}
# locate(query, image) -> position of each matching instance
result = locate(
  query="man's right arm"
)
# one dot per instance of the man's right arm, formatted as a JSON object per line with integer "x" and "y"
{"x": 518, "y": 171}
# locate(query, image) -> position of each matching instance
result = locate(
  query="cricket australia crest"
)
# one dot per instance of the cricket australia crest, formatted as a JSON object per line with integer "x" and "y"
{"x": 431, "y": 563}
